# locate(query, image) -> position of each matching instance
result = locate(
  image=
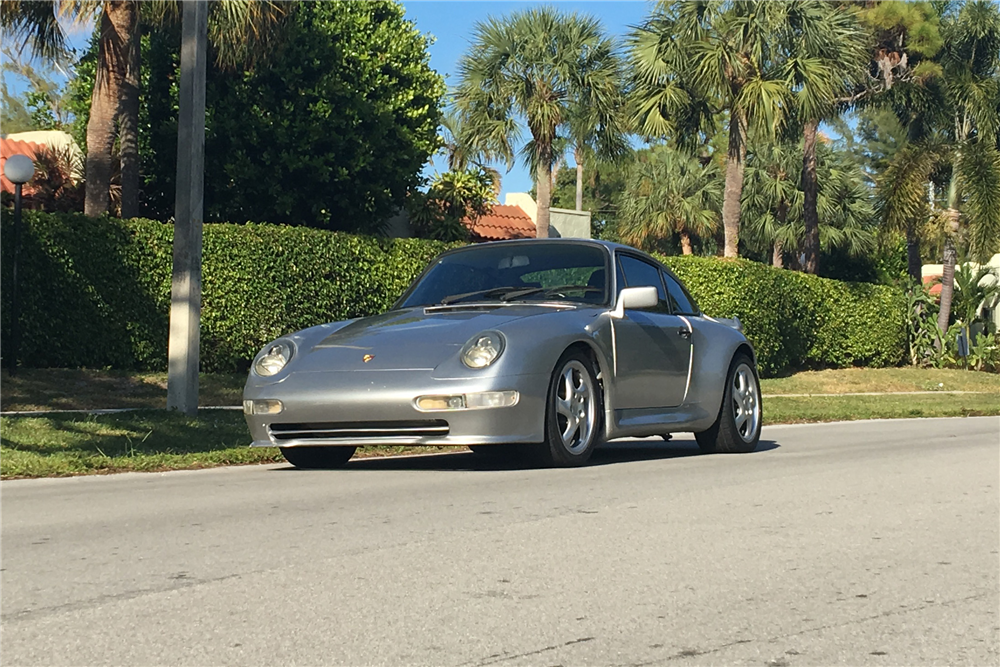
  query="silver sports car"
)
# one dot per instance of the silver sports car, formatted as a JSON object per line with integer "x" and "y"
{"x": 548, "y": 347}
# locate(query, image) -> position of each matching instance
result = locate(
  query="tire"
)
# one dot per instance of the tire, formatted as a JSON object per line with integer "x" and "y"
{"x": 313, "y": 458}
{"x": 737, "y": 428}
{"x": 574, "y": 413}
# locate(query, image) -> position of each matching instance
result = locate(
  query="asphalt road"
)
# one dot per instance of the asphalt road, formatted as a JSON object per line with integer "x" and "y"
{"x": 868, "y": 543}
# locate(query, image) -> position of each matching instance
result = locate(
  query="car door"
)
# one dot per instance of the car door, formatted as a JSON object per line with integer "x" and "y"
{"x": 652, "y": 346}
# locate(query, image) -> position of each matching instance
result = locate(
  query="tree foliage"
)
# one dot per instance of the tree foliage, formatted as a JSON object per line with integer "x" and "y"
{"x": 452, "y": 198}
{"x": 536, "y": 67}
{"x": 668, "y": 192}
{"x": 331, "y": 133}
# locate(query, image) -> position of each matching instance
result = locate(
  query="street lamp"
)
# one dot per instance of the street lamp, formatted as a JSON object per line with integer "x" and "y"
{"x": 18, "y": 170}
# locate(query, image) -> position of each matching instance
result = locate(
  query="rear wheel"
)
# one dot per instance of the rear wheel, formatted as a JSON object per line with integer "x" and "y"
{"x": 574, "y": 412}
{"x": 318, "y": 457}
{"x": 737, "y": 428}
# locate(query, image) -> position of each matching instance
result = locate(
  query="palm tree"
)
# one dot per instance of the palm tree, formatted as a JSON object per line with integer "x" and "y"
{"x": 771, "y": 195}
{"x": 774, "y": 201}
{"x": 668, "y": 192}
{"x": 692, "y": 61}
{"x": 824, "y": 64}
{"x": 240, "y": 30}
{"x": 591, "y": 140}
{"x": 534, "y": 66}
{"x": 970, "y": 60}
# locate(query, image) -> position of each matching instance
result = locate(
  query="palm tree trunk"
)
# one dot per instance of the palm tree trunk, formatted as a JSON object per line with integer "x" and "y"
{"x": 777, "y": 255}
{"x": 128, "y": 120}
{"x": 735, "y": 159}
{"x": 778, "y": 251}
{"x": 543, "y": 184}
{"x": 913, "y": 254}
{"x": 579, "y": 179}
{"x": 810, "y": 215}
{"x": 111, "y": 64}
{"x": 686, "y": 248}
{"x": 948, "y": 272}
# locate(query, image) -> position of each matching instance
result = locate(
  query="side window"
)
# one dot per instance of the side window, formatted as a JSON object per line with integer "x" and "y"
{"x": 642, "y": 274}
{"x": 680, "y": 301}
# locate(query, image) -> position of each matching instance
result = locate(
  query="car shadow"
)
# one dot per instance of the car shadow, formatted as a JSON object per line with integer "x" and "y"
{"x": 627, "y": 451}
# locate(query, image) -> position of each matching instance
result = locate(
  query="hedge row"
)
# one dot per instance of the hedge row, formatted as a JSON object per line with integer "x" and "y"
{"x": 797, "y": 320}
{"x": 96, "y": 293}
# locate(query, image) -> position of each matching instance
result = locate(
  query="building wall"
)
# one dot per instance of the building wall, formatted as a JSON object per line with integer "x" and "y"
{"x": 569, "y": 223}
{"x": 563, "y": 222}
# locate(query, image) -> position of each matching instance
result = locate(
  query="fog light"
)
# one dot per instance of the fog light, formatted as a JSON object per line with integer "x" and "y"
{"x": 262, "y": 407}
{"x": 485, "y": 399}
{"x": 441, "y": 402}
{"x": 491, "y": 399}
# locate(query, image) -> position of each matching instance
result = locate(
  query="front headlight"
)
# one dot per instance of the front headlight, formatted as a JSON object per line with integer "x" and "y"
{"x": 275, "y": 357}
{"x": 483, "y": 349}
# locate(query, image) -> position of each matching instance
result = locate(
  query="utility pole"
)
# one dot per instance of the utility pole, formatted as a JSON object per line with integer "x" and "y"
{"x": 185, "y": 293}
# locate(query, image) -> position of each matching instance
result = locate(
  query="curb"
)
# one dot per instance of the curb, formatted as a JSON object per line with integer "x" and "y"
{"x": 113, "y": 411}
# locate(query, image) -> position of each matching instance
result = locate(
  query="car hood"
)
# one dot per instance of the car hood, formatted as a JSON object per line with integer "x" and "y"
{"x": 413, "y": 338}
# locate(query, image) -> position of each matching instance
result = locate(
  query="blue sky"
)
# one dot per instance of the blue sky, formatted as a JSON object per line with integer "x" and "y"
{"x": 451, "y": 24}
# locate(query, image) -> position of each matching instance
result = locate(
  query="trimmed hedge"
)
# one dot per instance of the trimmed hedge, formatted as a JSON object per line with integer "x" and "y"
{"x": 96, "y": 293}
{"x": 798, "y": 320}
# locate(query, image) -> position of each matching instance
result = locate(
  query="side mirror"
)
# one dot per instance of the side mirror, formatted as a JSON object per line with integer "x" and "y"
{"x": 635, "y": 297}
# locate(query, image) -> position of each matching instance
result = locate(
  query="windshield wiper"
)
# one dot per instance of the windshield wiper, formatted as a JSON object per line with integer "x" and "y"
{"x": 488, "y": 293}
{"x": 510, "y": 296}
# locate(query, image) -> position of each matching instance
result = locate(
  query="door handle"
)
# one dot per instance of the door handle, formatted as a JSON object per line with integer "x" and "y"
{"x": 684, "y": 333}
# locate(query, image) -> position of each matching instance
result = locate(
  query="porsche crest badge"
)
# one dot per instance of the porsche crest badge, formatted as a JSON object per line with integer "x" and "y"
{"x": 367, "y": 358}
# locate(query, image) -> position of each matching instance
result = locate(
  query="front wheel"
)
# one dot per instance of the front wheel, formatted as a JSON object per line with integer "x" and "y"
{"x": 574, "y": 412}
{"x": 737, "y": 428}
{"x": 312, "y": 458}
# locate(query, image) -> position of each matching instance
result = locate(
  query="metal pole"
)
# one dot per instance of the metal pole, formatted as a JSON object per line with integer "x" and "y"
{"x": 15, "y": 306}
{"x": 185, "y": 296}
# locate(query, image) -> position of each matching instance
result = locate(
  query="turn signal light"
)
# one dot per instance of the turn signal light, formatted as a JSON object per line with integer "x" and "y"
{"x": 262, "y": 407}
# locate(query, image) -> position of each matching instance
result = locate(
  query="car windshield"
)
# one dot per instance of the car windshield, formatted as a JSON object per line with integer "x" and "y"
{"x": 535, "y": 271}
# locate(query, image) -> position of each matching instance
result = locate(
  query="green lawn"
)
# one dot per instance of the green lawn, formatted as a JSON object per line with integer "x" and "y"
{"x": 153, "y": 439}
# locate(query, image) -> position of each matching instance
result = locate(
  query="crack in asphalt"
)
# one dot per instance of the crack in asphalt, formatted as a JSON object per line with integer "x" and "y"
{"x": 503, "y": 657}
{"x": 690, "y": 653}
{"x": 181, "y": 583}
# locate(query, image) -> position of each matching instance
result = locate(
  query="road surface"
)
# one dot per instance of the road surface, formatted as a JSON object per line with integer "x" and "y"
{"x": 866, "y": 543}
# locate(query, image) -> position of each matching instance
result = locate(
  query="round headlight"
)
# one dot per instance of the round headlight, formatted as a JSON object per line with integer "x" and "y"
{"x": 275, "y": 357}
{"x": 483, "y": 349}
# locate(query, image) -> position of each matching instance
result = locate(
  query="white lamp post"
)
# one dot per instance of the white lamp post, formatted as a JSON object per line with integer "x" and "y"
{"x": 19, "y": 169}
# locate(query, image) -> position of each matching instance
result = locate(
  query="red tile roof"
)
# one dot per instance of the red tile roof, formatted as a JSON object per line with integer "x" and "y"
{"x": 935, "y": 288}
{"x": 501, "y": 223}
{"x": 10, "y": 147}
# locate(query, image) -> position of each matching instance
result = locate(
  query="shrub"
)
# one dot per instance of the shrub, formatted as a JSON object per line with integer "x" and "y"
{"x": 797, "y": 320}
{"x": 96, "y": 293}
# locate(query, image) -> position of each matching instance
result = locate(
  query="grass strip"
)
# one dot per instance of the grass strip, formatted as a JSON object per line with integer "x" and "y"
{"x": 64, "y": 444}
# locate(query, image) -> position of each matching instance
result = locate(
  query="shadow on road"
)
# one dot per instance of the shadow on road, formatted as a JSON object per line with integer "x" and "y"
{"x": 650, "y": 449}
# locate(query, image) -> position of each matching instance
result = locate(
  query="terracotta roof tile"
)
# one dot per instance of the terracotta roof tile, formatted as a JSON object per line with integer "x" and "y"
{"x": 935, "y": 288}
{"x": 501, "y": 223}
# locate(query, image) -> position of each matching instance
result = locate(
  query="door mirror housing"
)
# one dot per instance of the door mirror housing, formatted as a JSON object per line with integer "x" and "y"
{"x": 634, "y": 298}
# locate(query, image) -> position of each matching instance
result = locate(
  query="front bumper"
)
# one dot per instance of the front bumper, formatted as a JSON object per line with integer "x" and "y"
{"x": 372, "y": 398}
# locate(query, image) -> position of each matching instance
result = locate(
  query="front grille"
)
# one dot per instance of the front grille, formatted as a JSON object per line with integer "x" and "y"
{"x": 359, "y": 430}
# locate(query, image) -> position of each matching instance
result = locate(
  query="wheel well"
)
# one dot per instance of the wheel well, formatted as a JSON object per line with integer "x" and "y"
{"x": 747, "y": 350}
{"x": 589, "y": 350}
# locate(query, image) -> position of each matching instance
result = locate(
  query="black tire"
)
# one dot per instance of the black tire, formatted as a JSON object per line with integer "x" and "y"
{"x": 588, "y": 398}
{"x": 313, "y": 458}
{"x": 728, "y": 434}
